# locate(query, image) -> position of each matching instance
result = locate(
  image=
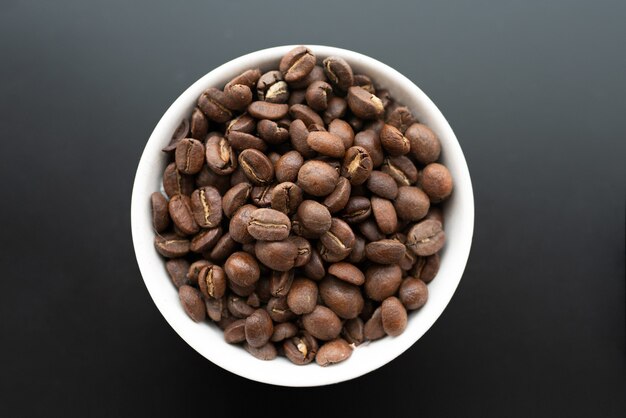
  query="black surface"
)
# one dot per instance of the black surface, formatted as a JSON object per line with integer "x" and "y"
{"x": 535, "y": 93}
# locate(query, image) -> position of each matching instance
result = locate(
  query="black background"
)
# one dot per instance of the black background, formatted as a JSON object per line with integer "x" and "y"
{"x": 535, "y": 92}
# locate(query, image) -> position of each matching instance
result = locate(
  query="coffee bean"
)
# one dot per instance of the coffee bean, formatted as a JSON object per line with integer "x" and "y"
{"x": 384, "y": 215}
{"x": 180, "y": 211}
{"x": 382, "y": 281}
{"x": 298, "y": 133}
{"x": 339, "y": 197}
{"x": 352, "y": 331}
{"x": 181, "y": 131}
{"x": 413, "y": 293}
{"x": 177, "y": 270}
{"x": 171, "y": 245}
{"x": 358, "y": 251}
{"x": 343, "y": 130}
{"x": 393, "y": 315}
{"x": 302, "y": 296}
{"x": 206, "y": 205}
{"x": 370, "y": 141}
{"x": 322, "y": 323}
{"x": 401, "y": 169}
{"x": 240, "y": 141}
{"x": 235, "y": 197}
{"x": 199, "y": 125}
{"x": 207, "y": 177}
{"x": 160, "y": 213}
{"x": 258, "y": 328}
{"x": 393, "y": 141}
{"x": 248, "y": 78}
{"x": 336, "y": 109}
{"x": 262, "y": 195}
{"x": 284, "y": 331}
{"x": 337, "y": 242}
{"x": 341, "y": 297}
{"x": 411, "y": 204}
{"x": 242, "y": 123}
{"x": 214, "y": 309}
{"x": 266, "y": 352}
{"x": 333, "y": 352}
{"x": 426, "y": 268}
{"x": 243, "y": 291}
{"x": 278, "y": 310}
{"x": 212, "y": 281}
{"x": 338, "y": 72}
{"x": 401, "y": 118}
{"x": 426, "y": 238}
{"x": 365, "y": 82}
{"x": 272, "y": 88}
{"x": 219, "y": 156}
{"x": 301, "y": 349}
{"x": 235, "y": 332}
{"x": 304, "y": 250}
{"x": 286, "y": 197}
{"x": 314, "y": 269}
{"x": 191, "y": 276}
{"x": 364, "y": 104}
{"x": 269, "y": 225}
{"x": 277, "y": 255}
{"x": 287, "y": 167}
{"x": 267, "y": 110}
{"x": 326, "y": 144}
{"x": 316, "y": 74}
{"x": 373, "y": 329}
{"x": 256, "y": 166}
{"x": 272, "y": 132}
{"x": 357, "y": 210}
{"x": 382, "y": 184}
{"x": 386, "y": 251}
{"x": 317, "y": 95}
{"x": 280, "y": 283}
{"x": 306, "y": 115}
{"x": 238, "y": 307}
{"x": 297, "y": 64}
{"x": 192, "y": 303}
{"x": 435, "y": 213}
{"x": 237, "y": 96}
{"x": 176, "y": 183}
{"x": 205, "y": 240}
{"x": 357, "y": 165}
{"x": 242, "y": 269}
{"x": 436, "y": 181}
{"x": 223, "y": 248}
{"x": 317, "y": 178}
{"x": 213, "y": 104}
{"x": 314, "y": 216}
{"x": 238, "y": 226}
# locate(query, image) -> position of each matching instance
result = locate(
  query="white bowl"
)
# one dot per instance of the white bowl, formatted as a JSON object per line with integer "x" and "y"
{"x": 206, "y": 338}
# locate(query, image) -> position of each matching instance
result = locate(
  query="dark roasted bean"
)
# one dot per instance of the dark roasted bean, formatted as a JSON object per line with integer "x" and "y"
{"x": 206, "y": 205}
{"x": 382, "y": 281}
{"x": 256, "y": 166}
{"x": 302, "y": 296}
{"x": 426, "y": 268}
{"x": 383, "y": 185}
{"x": 333, "y": 352}
{"x": 235, "y": 197}
{"x": 269, "y": 225}
{"x": 213, "y": 104}
{"x": 341, "y": 297}
{"x": 171, "y": 245}
{"x": 317, "y": 178}
{"x": 322, "y": 323}
{"x": 205, "y": 240}
{"x": 242, "y": 269}
{"x": 393, "y": 316}
{"x": 357, "y": 210}
{"x": 347, "y": 272}
{"x": 338, "y": 72}
{"x": 174, "y": 182}
{"x": 401, "y": 117}
{"x": 336, "y": 109}
{"x": 426, "y": 238}
{"x": 240, "y": 141}
{"x": 192, "y": 303}
{"x": 297, "y": 63}
{"x": 357, "y": 165}
{"x": 277, "y": 255}
{"x": 339, "y": 197}
{"x": 160, "y": 213}
{"x": 436, "y": 181}
{"x": 287, "y": 167}
{"x": 219, "y": 155}
{"x": 177, "y": 270}
{"x": 364, "y": 104}
{"x": 286, "y": 197}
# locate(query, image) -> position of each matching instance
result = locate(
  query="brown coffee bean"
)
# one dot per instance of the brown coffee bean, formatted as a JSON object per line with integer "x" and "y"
{"x": 338, "y": 72}
{"x": 287, "y": 167}
{"x": 199, "y": 125}
{"x": 286, "y": 197}
{"x": 235, "y": 197}
{"x": 215, "y": 308}
{"x": 180, "y": 211}
{"x": 333, "y": 352}
{"x": 213, "y": 104}
{"x": 302, "y": 296}
{"x": 237, "y": 96}
{"x": 219, "y": 155}
{"x": 336, "y": 109}
{"x": 296, "y": 97}
{"x": 314, "y": 269}
{"x": 258, "y": 328}
{"x": 314, "y": 217}
{"x": 277, "y": 255}
{"x": 426, "y": 268}
{"x": 181, "y": 131}
{"x": 435, "y": 213}
{"x": 207, "y": 177}
{"x": 262, "y": 195}
{"x": 247, "y": 78}
{"x": 352, "y": 331}
{"x": 176, "y": 183}
{"x": 278, "y": 310}
{"x": 343, "y": 130}
{"x": 370, "y": 140}
{"x": 234, "y": 333}
{"x": 306, "y": 115}
{"x": 357, "y": 210}
{"x": 238, "y": 226}
{"x": 171, "y": 245}
{"x": 425, "y": 146}
{"x": 224, "y": 247}
{"x": 411, "y": 204}
{"x": 382, "y": 184}
{"x": 358, "y": 251}
{"x": 191, "y": 276}
{"x": 212, "y": 281}
{"x": 357, "y": 165}
{"x": 240, "y": 141}
{"x": 382, "y": 281}
{"x": 326, "y": 144}
{"x": 266, "y": 352}
{"x": 272, "y": 88}
{"x": 386, "y": 251}
{"x": 243, "y": 291}
{"x": 280, "y": 283}
{"x": 160, "y": 212}
{"x": 385, "y": 215}
{"x": 272, "y": 132}
{"x": 301, "y": 349}
{"x": 242, "y": 269}
{"x": 393, "y": 316}
{"x": 192, "y": 303}
{"x": 413, "y": 293}
{"x": 342, "y": 297}
{"x": 401, "y": 118}
{"x": 284, "y": 331}
{"x": 256, "y": 166}
{"x": 316, "y": 74}
{"x": 238, "y": 307}
{"x": 436, "y": 181}
{"x": 365, "y": 82}
{"x": 205, "y": 240}
{"x": 364, "y": 104}
{"x": 317, "y": 178}
{"x": 426, "y": 238}
{"x": 339, "y": 197}
{"x": 317, "y": 95}
{"x": 269, "y": 225}
{"x": 393, "y": 141}
{"x": 336, "y": 243}
{"x": 298, "y": 133}
{"x": 304, "y": 250}
{"x": 322, "y": 323}
{"x": 206, "y": 205}
{"x": 242, "y": 123}
{"x": 373, "y": 329}
{"x": 401, "y": 169}
{"x": 177, "y": 270}
{"x": 297, "y": 64}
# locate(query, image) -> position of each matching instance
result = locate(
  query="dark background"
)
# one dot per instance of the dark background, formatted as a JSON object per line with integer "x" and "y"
{"x": 535, "y": 92}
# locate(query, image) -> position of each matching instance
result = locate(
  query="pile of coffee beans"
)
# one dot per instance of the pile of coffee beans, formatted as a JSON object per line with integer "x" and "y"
{"x": 303, "y": 210}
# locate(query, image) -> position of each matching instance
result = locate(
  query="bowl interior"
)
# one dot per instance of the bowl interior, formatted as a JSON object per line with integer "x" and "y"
{"x": 206, "y": 338}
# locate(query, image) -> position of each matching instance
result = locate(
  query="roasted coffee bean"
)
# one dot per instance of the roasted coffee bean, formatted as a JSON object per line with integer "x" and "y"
{"x": 297, "y": 64}
{"x": 180, "y": 211}
{"x": 262, "y": 195}
{"x": 364, "y": 104}
{"x": 301, "y": 349}
{"x": 436, "y": 181}
{"x": 235, "y": 197}
{"x": 212, "y": 281}
{"x": 272, "y": 132}
{"x": 238, "y": 226}
{"x": 278, "y": 310}
{"x": 375, "y": 126}
{"x": 413, "y": 293}
{"x": 401, "y": 169}
{"x": 286, "y": 197}
{"x": 267, "y": 110}
{"x": 302, "y": 296}
{"x": 205, "y": 240}
{"x": 426, "y": 268}
{"x": 207, "y": 177}
{"x": 219, "y": 155}
{"x": 317, "y": 95}
{"x": 393, "y": 316}
{"x": 269, "y": 225}
{"x": 192, "y": 303}
{"x": 314, "y": 269}
{"x": 266, "y": 352}
{"x": 304, "y": 250}
{"x": 435, "y": 213}
{"x": 382, "y": 184}
{"x": 296, "y": 97}
{"x": 199, "y": 125}
{"x": 364, "y": 82}
{"x": 306, "y": 115}
{"x": 298, "y": 133}
{"x": 213, "y": 104}
{"x": 242, "y": 269}
{"x": 280, "y": 283}
{"x": 176, "y": 183}
{"x": 240, "y": 141}
{"x": 370, "y": 140}
{"x": 314, "y": 217}
{"x": 237, "y": 96}
{"x": 337, "y": 242}
{"x": 322, "y": 323}
{"x": 256, "y": 166}
{"x": 358, "y": 251}
{"x": 352, "y": 331}
{"x": 238, "y": 307}
{"x": 272, "y": 88}
{"x": 258, "y": 328}
{"x": 242, "y": 123}
{"x": 333, "y": 352}
{"x": 382, "y": 281}
{"x": 343, "y": 130}
{"x": 357, "y": 165}
{"x": 393, "y": 141}
{"x": 254, "y": 300}
{"x": 160, "y": 212}
{"x": 384, "y": 215}
{"x": 223, "y": 248}
{"x": 326, "y": 144}
{"x": 287, "y": 167}
{"x": 347, "y": 272}
{"x": 341, "y": 297}
{"x": 357, "y": 210}
{"x": 411, "y": 204}
{"x": 317, "y": 178}
{"x": 284, "y": 331}
{"x": 194, "y": 270}
{"x": 206, "y": 205}
{"x": 401, "y": 118}
{"x": 316, "y": 74}
{"x": 426, "y": 238}
{"x": 181, "y": 131}
{"x": 215, "y": 308}
{"x": 225, "y": 320}
{"x": 274, "y": 157}
{"x": 336, "y": 109}
{"x": 386, "y": 251}
{"x": 171, "y": 245}
{"x": 373, "y": 329}
{"x": 277, "y": 255}
{"x": 248, "y": 78}
{"x": 338, "y": 72}
{"x": 177, "y": 270}
{"x": 243, "y": 291}
{"x": 339, "y": 197}
{"x": 235, "y": 332}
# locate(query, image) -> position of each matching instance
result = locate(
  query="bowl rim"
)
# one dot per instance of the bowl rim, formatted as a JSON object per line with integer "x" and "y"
{"x": 143, "y": 252}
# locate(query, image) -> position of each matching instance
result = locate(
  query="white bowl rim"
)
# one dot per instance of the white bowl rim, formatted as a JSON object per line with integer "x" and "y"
{"x": 163, "y": 293}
